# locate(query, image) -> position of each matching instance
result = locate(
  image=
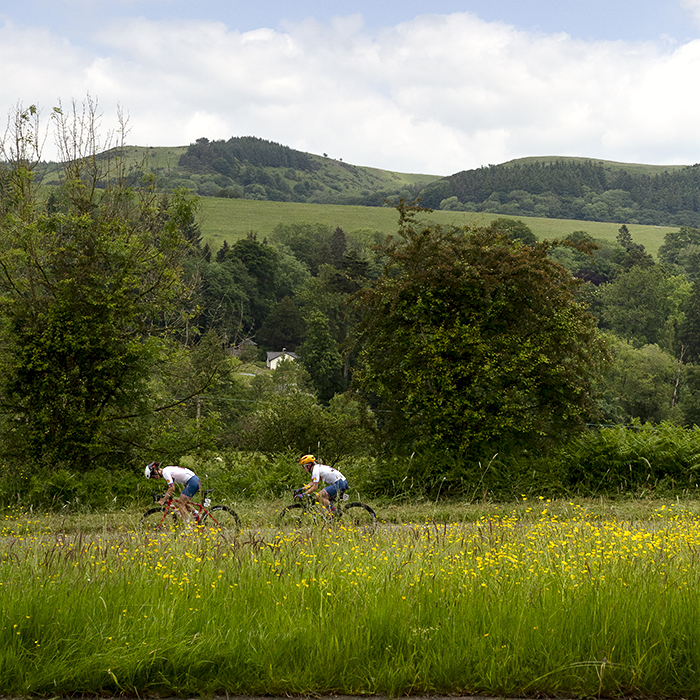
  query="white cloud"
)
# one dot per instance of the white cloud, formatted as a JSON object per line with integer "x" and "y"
{"x": 437, "y": 94}
{"x": 693, "y": 7}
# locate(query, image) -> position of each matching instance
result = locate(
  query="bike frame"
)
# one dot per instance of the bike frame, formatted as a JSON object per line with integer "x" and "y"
{"x": 198, "y": 510}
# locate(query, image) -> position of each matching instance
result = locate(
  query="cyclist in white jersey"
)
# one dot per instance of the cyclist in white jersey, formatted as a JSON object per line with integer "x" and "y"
{"x": 176, "y": 475}
{"x": 337, "y": 483}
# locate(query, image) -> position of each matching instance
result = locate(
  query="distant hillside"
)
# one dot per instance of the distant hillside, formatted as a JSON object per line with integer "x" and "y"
{"x": 545, "y": 187}
{"x": 252, "y": 168}
{"x": 574, "y": 188}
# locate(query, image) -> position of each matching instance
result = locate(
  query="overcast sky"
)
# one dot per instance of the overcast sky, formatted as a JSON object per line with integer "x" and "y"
{"x": 402, "y": 85}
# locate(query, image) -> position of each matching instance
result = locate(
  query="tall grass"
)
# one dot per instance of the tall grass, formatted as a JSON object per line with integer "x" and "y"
{"x": 541, "y": 599}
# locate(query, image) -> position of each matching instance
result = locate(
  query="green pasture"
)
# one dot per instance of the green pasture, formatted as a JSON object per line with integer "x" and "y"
{"x": 230, "y": 219}
{"x": 536, "y": 598}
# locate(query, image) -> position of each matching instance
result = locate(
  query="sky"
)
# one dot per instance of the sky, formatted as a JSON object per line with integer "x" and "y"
{"x": 401, "y": 85}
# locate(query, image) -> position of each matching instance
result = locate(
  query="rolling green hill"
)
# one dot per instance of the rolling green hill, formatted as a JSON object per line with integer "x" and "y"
{"x": 260, "y": 170}
{"x": 252, "y": 185}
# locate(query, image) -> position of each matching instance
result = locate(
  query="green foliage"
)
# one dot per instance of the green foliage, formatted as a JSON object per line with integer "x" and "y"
{"x": 681, "y": 249}
{"x": 310, "y": 243}
{"x": 639, "y": 384}
{"x": 644, "y": 305}
{"x": 320, "y": 356}
{"x": 73, "y": 490}
{"x": 92, "y": 303}
{"x": 592, "y": 260}
{"x": 469, "y": 338}
{"x": 644, "y": 458}
{"x": 287, "y": 417}
{"x": 258, "y": 169}
{"x": 83, "y": 300}
{"x": 514, "y": 230}
{"x": 690, "y": 393}
{"x": 572, "y": 189}
{"x": 283, "y": 328}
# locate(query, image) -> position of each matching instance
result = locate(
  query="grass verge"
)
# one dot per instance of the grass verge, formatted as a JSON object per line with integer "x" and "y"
{"x": 535, "y": 599}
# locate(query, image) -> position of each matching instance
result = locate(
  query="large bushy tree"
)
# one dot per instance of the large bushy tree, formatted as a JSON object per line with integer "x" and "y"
{"x": 91, "y": 300}
{"x": 469, "y": 338}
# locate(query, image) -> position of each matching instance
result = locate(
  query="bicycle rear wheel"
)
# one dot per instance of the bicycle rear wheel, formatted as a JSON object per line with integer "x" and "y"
{"x": 300, "y": 514}
{"x": 359, "y": 515}
{"x": 222, "y": 518}
{"x": 156, "y": 519}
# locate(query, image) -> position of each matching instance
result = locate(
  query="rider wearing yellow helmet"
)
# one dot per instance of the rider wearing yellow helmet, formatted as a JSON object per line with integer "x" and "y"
{"x": 337, "y": 483}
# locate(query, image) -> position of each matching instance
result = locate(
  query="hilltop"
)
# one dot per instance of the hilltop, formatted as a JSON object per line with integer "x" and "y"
{"x": 255, "y": 169}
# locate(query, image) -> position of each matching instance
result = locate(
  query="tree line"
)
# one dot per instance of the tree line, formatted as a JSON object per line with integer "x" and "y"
{"x": 581, "y": 190}
{"x": 126, "y": 339}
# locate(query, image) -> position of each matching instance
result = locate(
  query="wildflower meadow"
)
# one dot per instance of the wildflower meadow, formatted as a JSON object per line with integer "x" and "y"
{"x": 534, "y": 599}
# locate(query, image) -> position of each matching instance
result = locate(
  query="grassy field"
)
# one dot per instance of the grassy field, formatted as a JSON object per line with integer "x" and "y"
{"x": 230, "y": 219}
{"x": 537, "y": 598}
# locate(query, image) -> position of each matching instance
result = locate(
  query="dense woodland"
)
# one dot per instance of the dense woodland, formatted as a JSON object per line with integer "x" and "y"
{"x": 447, "y": 357}
{"x": 586, "y": 191}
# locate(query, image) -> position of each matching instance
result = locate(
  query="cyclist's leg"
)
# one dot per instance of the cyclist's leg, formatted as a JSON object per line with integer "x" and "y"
{"x": 183, "y": 503}
{"x": 331, "y": 492}
{"x": 325, "y": 497}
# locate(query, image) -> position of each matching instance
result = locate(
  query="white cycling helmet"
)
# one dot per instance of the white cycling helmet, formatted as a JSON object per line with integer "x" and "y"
{"x": 150, "y": 468}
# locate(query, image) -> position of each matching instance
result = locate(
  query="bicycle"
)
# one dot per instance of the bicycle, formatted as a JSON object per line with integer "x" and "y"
{"x": 203, "y": 514}
{"x": 307, "y": 510}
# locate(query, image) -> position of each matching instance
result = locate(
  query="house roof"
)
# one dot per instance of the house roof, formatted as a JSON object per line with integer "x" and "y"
{"x": 272, "y": 355}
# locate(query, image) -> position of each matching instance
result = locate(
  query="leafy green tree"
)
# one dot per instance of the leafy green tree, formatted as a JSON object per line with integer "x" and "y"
{"x": 337, "y": 246}
{"x": 283, "y": 328}
{"x": 676, "y": 241}
{"x": 287, "y": 417}
{"x": 636, "y": 254}
{"x": 320, "y": 356}
{"x": 468, "y": 339}
{"x": 642, "y": 380}
{"x": 681, "y": 251}
{"x": 690, "y": 394}
{"x": 310, "y": 243}
{"x": 645, "y": 306}
{"x": 91, "y": 301}
{"x": 591, "y": 260}
{"x": 225, "y": 297}
{"x": 513, "y": 229}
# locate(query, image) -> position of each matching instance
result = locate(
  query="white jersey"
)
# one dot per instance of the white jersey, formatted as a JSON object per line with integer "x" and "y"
{"x": 328, "y": 474}
{"x": 178, "y": 475}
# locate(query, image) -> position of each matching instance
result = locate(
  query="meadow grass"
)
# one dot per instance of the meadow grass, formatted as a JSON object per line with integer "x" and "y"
{"x": 536, "y": 598}
{"x": 232, "y": 219}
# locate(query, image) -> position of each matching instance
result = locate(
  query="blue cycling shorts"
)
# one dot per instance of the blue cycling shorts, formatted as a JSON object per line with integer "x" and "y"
{"x": 339, "y": 487}
{"x": 191, "y": 487}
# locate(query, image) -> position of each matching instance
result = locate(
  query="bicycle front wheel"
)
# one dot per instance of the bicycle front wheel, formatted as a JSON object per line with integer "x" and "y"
{"x": 156, "y": 519}
{"x": 359, "y": 515}
{"x": 222, "y": 518}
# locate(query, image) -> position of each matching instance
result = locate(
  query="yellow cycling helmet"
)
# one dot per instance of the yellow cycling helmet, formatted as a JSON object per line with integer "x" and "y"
{"x": 307, "y": 459}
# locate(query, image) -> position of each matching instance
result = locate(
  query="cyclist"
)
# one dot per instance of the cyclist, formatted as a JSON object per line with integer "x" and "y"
{"x": 337, "y": 483}
{"x": 172, "y": 475}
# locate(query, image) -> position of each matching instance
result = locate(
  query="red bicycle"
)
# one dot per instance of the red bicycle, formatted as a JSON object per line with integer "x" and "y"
{"x": 203, "y": 514}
